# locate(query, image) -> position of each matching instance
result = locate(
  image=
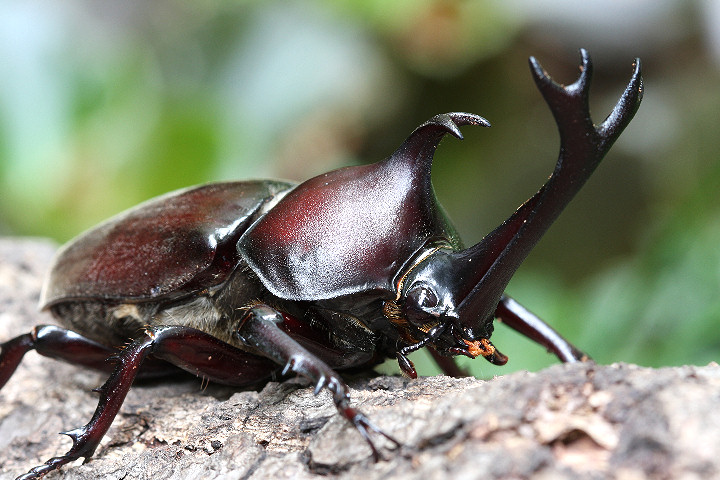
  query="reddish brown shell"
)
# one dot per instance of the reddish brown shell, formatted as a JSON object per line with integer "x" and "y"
{"x": 352, "y": 230}
{"x": 172, "y": 245}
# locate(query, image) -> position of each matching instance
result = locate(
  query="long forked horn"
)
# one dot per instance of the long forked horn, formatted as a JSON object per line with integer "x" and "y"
{"x": 494, "y": 260}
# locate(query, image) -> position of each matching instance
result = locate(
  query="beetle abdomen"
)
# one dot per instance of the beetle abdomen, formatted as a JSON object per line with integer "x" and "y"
{"x": 110, "y": 324}
{"x": 213, "y": 311}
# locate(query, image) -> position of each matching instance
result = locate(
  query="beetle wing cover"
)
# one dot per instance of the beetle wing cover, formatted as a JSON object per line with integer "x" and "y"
{"x": 171, "y": 245}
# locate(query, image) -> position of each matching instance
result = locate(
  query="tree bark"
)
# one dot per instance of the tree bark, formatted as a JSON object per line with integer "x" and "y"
{"x": 569, "y": 421}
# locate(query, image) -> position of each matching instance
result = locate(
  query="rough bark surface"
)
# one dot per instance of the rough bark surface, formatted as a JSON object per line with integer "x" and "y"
{"x": 569, "y": 421}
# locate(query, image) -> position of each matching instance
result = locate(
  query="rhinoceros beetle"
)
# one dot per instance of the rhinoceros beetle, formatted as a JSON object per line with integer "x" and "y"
{"x": 236, "y": 282}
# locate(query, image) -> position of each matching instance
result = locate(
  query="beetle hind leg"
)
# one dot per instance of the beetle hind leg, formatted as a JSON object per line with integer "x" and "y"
{"x": 62, "y": 344}
{"x": 260, "y": 330}
{"x": 11, "y": 353}
{"x": 112, "y": 393}
{"x": 54, "y": 342}
{"x": 188, "y": 348}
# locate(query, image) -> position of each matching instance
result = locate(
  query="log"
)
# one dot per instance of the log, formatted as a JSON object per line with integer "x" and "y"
{"x": 568, "y": 421}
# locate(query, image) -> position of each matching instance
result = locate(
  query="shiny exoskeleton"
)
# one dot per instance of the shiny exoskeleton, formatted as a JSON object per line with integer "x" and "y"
{"x": 239, "y": 281}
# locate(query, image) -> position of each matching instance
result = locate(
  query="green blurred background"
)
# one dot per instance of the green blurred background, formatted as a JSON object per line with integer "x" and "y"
{"x": 106, "y": 104}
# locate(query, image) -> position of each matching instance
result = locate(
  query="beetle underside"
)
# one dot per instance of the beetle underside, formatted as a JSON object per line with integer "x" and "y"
{"x": 235, "y": 282}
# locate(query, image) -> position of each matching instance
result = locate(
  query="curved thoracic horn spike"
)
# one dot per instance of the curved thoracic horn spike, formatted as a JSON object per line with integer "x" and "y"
{"x": 450, "y": 123}
{"x": 423, "y": 141}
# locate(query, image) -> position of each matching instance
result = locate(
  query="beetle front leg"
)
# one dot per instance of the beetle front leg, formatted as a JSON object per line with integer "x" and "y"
{"x": 527, "y": 323}
{"x": 260, "y": 330}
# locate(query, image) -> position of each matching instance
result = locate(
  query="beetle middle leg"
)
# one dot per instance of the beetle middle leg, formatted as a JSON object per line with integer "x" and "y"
{"x": 260, "y": 330}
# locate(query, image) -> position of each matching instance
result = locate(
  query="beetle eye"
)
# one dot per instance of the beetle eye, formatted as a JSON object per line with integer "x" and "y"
{"x": 423, "y": 297}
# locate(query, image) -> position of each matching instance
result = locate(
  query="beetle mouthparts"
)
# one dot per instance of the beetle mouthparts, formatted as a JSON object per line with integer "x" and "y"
{"x": 480, "y": 347}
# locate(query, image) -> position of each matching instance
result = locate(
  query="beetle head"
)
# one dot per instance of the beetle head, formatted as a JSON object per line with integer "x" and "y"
{"x": 428, "y": 307}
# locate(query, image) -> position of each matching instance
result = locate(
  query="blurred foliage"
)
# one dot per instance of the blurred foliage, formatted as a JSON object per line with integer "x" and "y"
{"x": 103, "y": 105}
